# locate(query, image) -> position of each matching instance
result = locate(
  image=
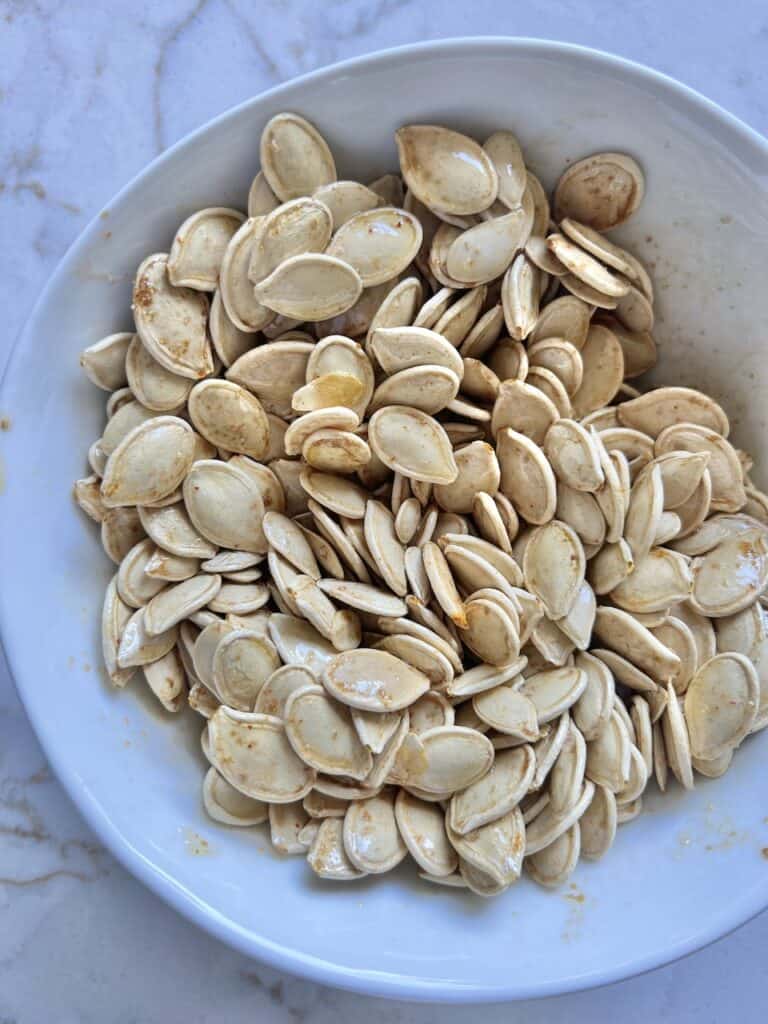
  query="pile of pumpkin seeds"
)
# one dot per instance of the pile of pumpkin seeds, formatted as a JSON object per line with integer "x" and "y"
{"x": 389, "y": 517}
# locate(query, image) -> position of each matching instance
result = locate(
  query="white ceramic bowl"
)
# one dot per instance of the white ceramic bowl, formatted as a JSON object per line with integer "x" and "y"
{"x": 677, "y": 878}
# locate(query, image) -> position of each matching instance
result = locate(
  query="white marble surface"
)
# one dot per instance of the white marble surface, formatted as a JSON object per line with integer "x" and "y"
{"x": 89, "y": 93}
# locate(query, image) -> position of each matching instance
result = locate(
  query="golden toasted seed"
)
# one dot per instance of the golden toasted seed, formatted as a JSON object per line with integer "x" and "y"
{"x": 553, "y": 567}
{"x": 371, "y": 837}
{"x": 446, "y": 170}
{"x": 429, "y": 388}
{"x": 373, "y": 680}
{"x": 412, "y": 443}
{"x": 600, "y": 191}
{"x": 526, "y": 476}
{"x": 496, "y": 849}
{"x": 310, "y": 286}
{"x": 729, "y": 577}
{"x": 723, "y": 468}
{"x": 149, "y": 463}
{"x": 295, "y": 158}
{"x": 378, "y": 243}
{"x": 152, "y": 384}
{"x": 627, "y": 637}
{"x": 507, "y": 158}
{"x": 720, "y": 705}
{"x": 666, "y": 407}
{"x": 448, "y": 758}
{"x": 603, "y": 371}
{"x": 199, "y": 246}
{"x": 422, "y": 827}
{"x": 484, "y": 252}
{"x": 273, "y": 372}
{"x": 525, "y": 409}
{"x": 567, "y": 318}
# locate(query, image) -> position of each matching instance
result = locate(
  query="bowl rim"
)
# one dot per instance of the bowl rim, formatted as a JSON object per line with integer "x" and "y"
{"x": 276, "y": 955}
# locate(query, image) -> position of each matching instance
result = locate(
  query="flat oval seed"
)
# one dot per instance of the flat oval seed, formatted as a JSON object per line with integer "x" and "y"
{"x": 497, "y": 793}
{"x": 478, "y": 470}
{"x": 199, "y": 246}
{"x": 553, "y": 567}
{"x": 345, "y": 199}
{"x": 665, "y": 407}
{"x": 371, "y": 836}
{"x": 386, "y": 549}
{"x": 155, "y": 387}
{"x": 252, "y": 752}
{"x": 660, "y": 579}
{"x": 625, "y": 635}
{"x": 567, "y": 318}
{"x": 286, "y": 823}
{"x": 552, "y": 866}
{"x": 526, "y": 476}
{"x": 609, "y": 754}
{"x": 299, "y": 226}
{"x": 334, "y": 492}
{"x": 399, "y": 348}
{"x": 322, "y": 734}
{"x": 139, "y": 647}
{"x": 601, "y": 191}
{"x": 327, "y": 856}
{"x": 171, "y": 322}
{"x": 509, "y": 711}
{"x": 554, "y": 691}
{"x": 278, "y": 688}
{"x": 242, "y": 663}
{"x": 373, "y": 680}
{"x": 646, "y": 505}
{"x": 364, "y": 597}
{"x": 525, "y": 409}
{"x": 598, "y": 824}
{"x": 452, "y": 759}
{"x": 114, "y": 617}
{"x": 228, "y": 805}
{"x": 547, "y": 826}
{"x": 593, "y": 708}
{"x": 104, "y": 361}
{"x": 230, "y": 417}
{"x": 428, "y": 388}
{"x": 170, "y": 528}
{"x": 378, "y": 243}
{"x": 603, "y": 371}
{"x": 585, "y": 267}
{"x": 520, "y": 297}
{"x": 729, "y": 577}
{"x": 310, "y": 286}
{"x": 225, "y": 505}
{"x": 720, "y": 705}
{"x": 295, "y": 158}
{"x": 422, "y": 827}
{"x": 573, "y": 455}
{"x": 149, "y": 463}
{"x": 178, "y": 602}
{"x": 484, "y": 252}
{"x": 273, "y": 372}
{"x": 446, "y": 170}
{"x": 496, "y": 849}
{"x": 412, "y": 443}
{"x": 507, "y": 158}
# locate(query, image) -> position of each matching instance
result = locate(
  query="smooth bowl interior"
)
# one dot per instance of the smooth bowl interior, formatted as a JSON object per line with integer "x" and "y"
{"x": 683, "y": 873}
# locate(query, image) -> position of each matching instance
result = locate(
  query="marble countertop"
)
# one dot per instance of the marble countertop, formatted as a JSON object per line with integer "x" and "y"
{"x": 89, "y": 94}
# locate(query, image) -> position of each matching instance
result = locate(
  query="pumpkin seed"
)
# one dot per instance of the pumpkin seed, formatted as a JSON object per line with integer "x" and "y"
{"x": 446, "y": 170}
{"x": 526, "y": 476}
{"x": 600, "y": 191}
{"x": 295, "y": 158}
